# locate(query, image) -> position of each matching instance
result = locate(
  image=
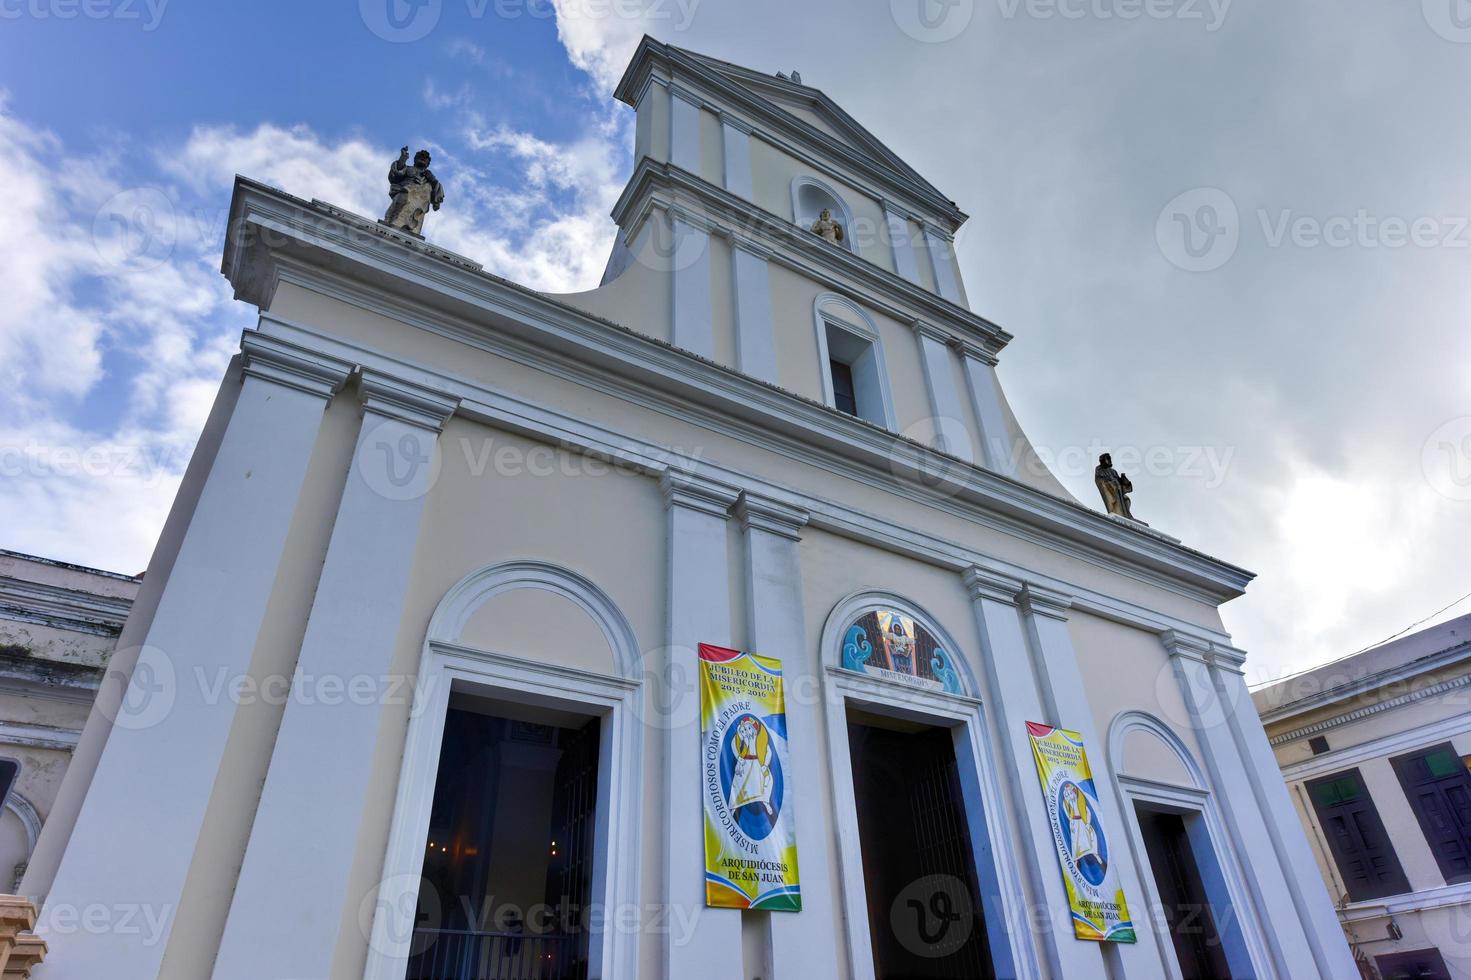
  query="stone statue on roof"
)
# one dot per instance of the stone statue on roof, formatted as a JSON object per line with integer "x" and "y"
{"x": 415, "y": 191}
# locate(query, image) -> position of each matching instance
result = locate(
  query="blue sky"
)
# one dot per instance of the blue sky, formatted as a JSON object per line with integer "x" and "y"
{"x": 1321, "y": 362}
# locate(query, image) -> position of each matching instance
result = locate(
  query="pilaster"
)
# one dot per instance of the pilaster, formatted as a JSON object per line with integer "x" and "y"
{"x": 945, "y": 408}
{"x": 902, "y": 242}
{"x": 803, "y": 944}
{"x": 1305, "y": 936}
{"x": 684, "y": 129}
{"x": 755, "y": 329}
{"x": 736, "y": 143}
{"x": 698, "y": 612}
{"x": 294, "y": 880}
{"x": 1014, "y": 700}
{"x": 135, "y": 834}
{"x": 690, "y": 279}
{"x": 946, "y": 283}
{"x": 985, "y": 402}
{"x": 1065, "y": 696}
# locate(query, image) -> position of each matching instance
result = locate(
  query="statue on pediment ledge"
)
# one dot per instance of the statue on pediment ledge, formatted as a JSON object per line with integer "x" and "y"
{"x": 1115, "y": 488}
{"x": 414, "y": 190}
{"x": 826, "y": 228}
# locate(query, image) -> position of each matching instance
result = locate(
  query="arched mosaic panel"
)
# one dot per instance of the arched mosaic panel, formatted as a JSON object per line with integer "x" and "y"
{"x": 891, "y": 645}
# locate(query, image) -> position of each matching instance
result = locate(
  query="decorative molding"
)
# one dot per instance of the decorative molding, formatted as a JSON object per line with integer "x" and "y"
{"x": 29, "y": 818}
{"x": 766, "y": 514}
{"x": 1126, "y": 722}
{"x": 1382, "y": 747}
{"x": 1397, "y": 674}
{"x": 75, "y": 610}
{"x": 453, "y": 613}
{"x": 515, "y": 414}
{"x": 1420, "y": 900}
{"x": 39, "y": 736}
{"x": 982, "y": 583}
{"x": 684, "y": 490}
{"x": 272, "y": 359}
{"x": 1358, "y": 714}
{"x": 974, "y": 351}
{"x": 1041, "y": 601}
{"x": 395, "y": 398}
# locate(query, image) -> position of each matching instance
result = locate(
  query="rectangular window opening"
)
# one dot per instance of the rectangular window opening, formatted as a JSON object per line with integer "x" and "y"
{"x": 853, "y": 370}
{"x": 508, "y": 860}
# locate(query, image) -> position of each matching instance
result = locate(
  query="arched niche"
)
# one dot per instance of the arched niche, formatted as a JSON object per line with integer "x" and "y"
{"x": 1142, "y": 746}
{"x": 889, "y": 637}
{"x": 810, "y": 196}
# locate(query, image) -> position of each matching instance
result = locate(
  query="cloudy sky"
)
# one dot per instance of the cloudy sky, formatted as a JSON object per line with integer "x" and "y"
{"x": 1230, "y": 237}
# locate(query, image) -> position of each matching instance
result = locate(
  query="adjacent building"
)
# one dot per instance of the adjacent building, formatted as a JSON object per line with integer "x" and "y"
{"x": 437, "y": 669}
{"x": 58, "y": 625}
{"x": 1374, "y": 748}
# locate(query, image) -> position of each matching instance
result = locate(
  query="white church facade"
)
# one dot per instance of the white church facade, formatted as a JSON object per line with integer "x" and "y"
{"x": 421, "y": 678}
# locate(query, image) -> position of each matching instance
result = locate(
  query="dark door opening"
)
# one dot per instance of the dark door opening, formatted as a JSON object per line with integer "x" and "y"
{"x": 1187, "y": 910}
{"x": 508, "y": 859}
{"x": 919, "y": 870}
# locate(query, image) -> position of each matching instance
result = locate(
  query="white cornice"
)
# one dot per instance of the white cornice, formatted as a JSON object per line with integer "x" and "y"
{"x": 413, "y": 404}
{"x": 399, "y": 281}
{"x": 1339, "y": 693}
{"x": 663, "y": 185}
{"x": 63, "y": 608}
{"x": 692, "y": 478}
{"x": 1377, "y": 748}
{"x": 38, "y": 736}
{"x": 265, "y": 358}
{"x": 765, "y": 514}
{"x": 1327, "y": 724}
{"x": 682, "y": 489}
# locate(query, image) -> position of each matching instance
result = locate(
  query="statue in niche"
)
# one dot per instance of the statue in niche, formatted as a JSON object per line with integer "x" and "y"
{"x": 826, "y": 228}
{"x": 1115, "y": 488}
{"x": 414, "y": 190}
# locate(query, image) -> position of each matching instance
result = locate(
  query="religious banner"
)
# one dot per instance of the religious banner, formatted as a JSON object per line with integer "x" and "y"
{"x": 750, "y": 834}
{"x": 1083, "y": 851}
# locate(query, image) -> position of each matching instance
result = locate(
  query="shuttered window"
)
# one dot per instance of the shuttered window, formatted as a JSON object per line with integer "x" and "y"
{"x": 1356, "y": 837}
{"x": 1438, "y": 787}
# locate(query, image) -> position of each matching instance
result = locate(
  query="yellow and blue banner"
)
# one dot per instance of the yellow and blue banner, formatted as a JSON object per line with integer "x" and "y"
{"x": 1083, "y": 848}
{"x": 750, "y": 829}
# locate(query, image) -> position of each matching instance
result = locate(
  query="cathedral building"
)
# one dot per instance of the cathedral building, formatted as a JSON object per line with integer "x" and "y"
{"x": 717, "y": 623}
